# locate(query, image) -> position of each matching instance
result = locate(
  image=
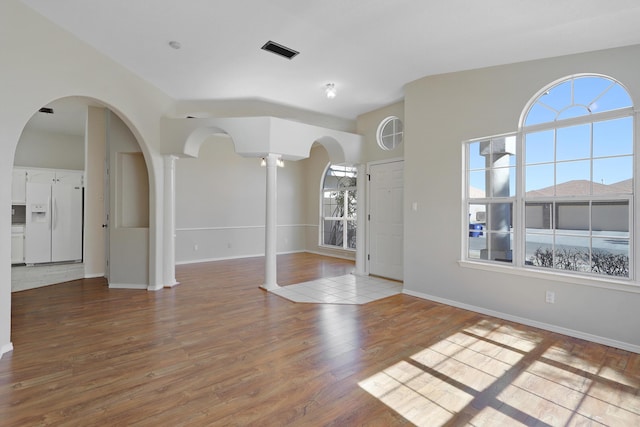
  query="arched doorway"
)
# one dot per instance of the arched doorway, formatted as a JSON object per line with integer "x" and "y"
{"x": 80, "y": 136}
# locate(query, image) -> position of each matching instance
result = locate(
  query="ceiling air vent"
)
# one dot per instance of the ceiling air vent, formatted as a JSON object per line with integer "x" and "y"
{"x": 278, "y": 49}
{"x": 46, "y": 110}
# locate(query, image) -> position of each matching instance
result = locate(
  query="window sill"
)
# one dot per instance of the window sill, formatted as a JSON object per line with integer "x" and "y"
{"x": 605, "y": 283}
{"x": 336, "y": 248}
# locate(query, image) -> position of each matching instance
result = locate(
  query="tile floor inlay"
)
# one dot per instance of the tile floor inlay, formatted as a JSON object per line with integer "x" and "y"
{"x": 347, "y": 289}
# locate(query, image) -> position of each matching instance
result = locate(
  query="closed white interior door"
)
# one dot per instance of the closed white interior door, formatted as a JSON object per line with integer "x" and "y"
{"x": 386, "y": 219}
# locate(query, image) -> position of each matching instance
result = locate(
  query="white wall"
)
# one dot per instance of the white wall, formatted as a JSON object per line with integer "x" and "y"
{"x": 30, "y": 44}
{"x": 220, "y": 204}
{"x": 50, "y": 150}
{"x": 441, "y": 112}
{"x": 128, "y": 208}
{"x": 368, "y": 126}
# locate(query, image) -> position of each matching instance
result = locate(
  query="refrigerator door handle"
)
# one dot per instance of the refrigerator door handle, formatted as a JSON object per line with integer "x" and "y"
{"x": 54, "y": 217}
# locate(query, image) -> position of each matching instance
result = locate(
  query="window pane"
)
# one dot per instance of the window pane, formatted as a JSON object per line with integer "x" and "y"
{"x": 503, "y": 151}
{"x": 351, "y": 234}
{"x": 573, "y": 178}
{"x": 539, "y": 114}
{"x": 499, "y": 216}
{"x": 332, "y": 233}
{"x": 539, "y": 147}
{"x": 572, "y": 218}
{"x": 610, "y": 257}
{"x": 512, "y": 182}
{"x": 330, "y": 181}
{"x": 477, "y": 214}
{"x": 613, "y": 175}
{"x": 498, "y": 247}
{"x": 503, "y": 182}
{"x": 573, "y": 142}
{"x": 586, "y": 91}
{"x": 611, "y": 218}
{"x": 614, "y": 98}
{"x": 613, "y": 137}
{"x": 538, "y": 217}
{"x": 558, "y": 97}
{"x": 351, "y": 203}
{"x": 477, "y": 184}
{"x": 330, "y": 206}
{"x": 539, "y": 180}
{"x": 340, "y": 177}
{"x": 539, "y": 250}
{"x": 477, "y": 243}
{"x": 476, "y": 160}
{"x": 572, "y": 253}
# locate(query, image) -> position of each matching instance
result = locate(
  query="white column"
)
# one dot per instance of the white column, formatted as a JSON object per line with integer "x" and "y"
{"x": 271, "y": 238}
{"x": 361, "y": 250}
{"x": 169, "y": 222}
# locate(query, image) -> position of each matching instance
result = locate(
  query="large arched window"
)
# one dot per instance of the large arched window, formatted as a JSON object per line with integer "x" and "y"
{"x": 338, "y": 204}
{"x": 558, "y": 195}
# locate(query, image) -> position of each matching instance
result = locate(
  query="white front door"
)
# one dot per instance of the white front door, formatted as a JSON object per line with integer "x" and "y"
{"x": 386, "y": 219}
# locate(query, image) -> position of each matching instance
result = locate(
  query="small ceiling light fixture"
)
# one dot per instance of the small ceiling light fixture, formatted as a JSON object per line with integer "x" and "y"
{"x": 279, "y": 162}
{"x": 175, "y": 45}
{"x": 330, "y": 90}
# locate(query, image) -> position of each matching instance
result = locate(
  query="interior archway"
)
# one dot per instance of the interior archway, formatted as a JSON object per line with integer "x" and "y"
{"x": 71, "y": 134}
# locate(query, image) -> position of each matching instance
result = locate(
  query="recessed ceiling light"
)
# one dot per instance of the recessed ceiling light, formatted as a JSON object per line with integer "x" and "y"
{"x": 174, "y": 44}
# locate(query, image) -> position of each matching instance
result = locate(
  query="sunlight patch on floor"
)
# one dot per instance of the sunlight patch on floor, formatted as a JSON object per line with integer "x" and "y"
{"x": 492, "y": 374}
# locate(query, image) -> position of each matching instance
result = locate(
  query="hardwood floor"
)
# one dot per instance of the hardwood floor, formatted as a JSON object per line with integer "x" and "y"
{"x": 217, "y": 350}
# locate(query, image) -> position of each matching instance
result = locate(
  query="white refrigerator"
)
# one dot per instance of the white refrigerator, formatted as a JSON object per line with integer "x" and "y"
{"x": 53, "y": 228}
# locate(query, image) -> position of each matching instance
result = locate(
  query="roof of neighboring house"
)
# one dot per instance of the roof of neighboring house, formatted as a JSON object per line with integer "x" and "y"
{"x": 580, "y": 187}
{"x": 577, "y": 187}
{"x": 475, "y": 193}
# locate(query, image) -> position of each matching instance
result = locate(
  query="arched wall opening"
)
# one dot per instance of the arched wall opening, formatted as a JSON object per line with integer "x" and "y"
{"x": 73, "y": 134}
{"x": 220, "y": 191}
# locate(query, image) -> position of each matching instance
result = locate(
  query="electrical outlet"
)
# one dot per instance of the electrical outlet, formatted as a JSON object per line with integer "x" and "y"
{"x": 195, "y": 247}
{"x": 550, "y": 297}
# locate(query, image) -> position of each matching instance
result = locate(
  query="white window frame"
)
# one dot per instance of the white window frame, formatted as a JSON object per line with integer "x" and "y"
{"x": 344, "y": 219}
{"x": 518, "y": 266}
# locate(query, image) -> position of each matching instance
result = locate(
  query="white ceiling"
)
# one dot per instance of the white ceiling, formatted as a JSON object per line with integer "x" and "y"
{"x": 368, "y": 48}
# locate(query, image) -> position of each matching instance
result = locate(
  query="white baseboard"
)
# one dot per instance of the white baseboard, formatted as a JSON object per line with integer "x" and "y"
{"x": 331, "y": 254}
{"x": 196, "y": 261}
{"x": 6, "y": 349}
{"x": 529, "y": 322}
{"x": 128, "y": 286}
{"x": 93, "y": 276}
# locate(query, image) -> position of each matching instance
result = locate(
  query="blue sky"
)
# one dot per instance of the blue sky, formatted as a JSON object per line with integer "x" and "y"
{"x": 566, "y": 153}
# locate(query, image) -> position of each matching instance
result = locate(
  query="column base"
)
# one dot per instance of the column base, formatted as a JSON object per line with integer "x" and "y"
{"x": 171, "y": 285}
{"x": 267, "y": 287}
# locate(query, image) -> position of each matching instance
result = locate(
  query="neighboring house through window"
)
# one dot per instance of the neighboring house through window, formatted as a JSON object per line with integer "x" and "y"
{"x": 557, "y": 195}
{"x": 338, "y": 204}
